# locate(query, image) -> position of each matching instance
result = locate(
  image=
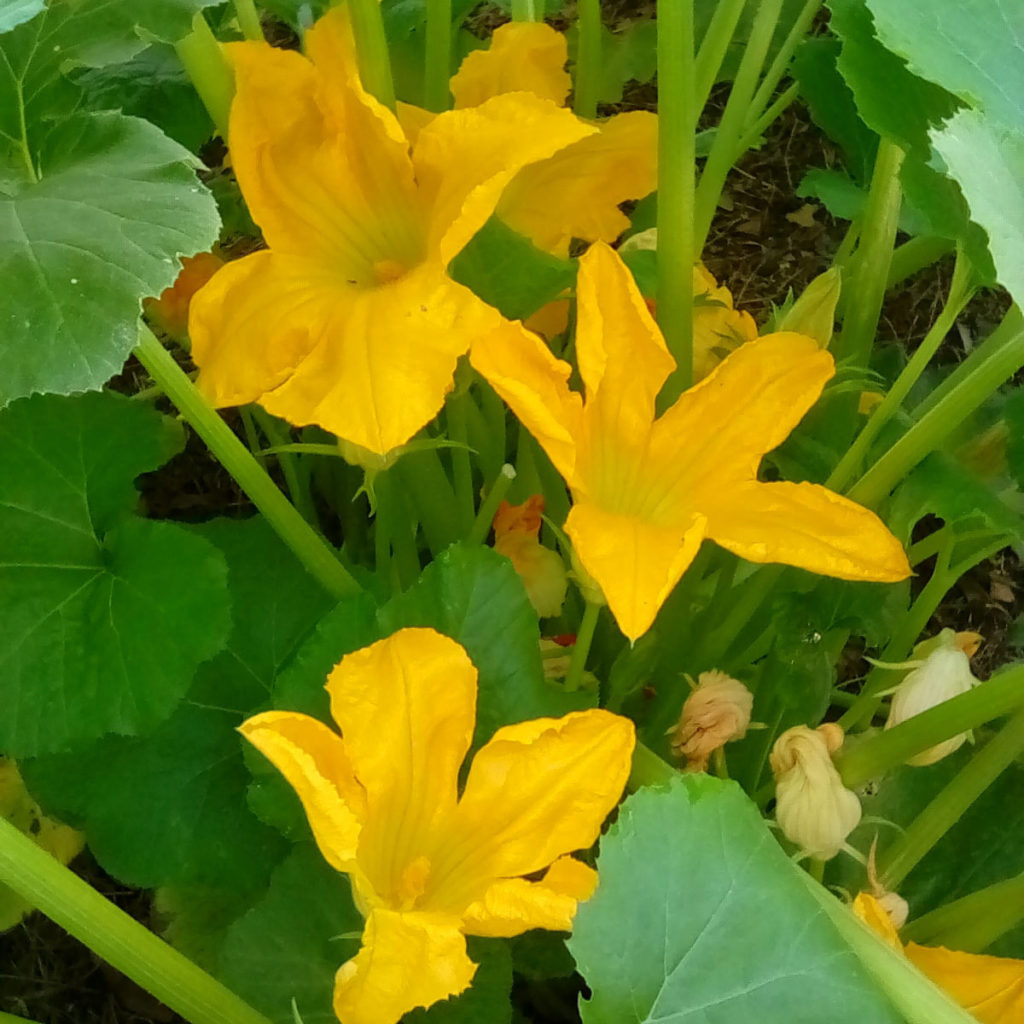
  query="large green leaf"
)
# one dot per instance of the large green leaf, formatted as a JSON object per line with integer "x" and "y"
{"x": 699, "y": 917}
{"x": 972, "y": 48}
{"x": 14, "y": 12}
{"x": 988, "y": 164}
{"x": 105, "y": 617}
{"x": 116, "y": 204}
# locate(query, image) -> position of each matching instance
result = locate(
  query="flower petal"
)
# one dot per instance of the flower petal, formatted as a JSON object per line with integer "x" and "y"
{"x": 406, "y": 706}
{"x": 808, "y": 526}
{"x": 522, "y": 369}
{"x": 576, "y": 193}
{"x": 464, "y": 159}
{"x": 315, "y": 762}
{"x": 512, "y": 906}
{"x": 324, "y": 168}
{"x": 635, "y": 561}
{"x": 991, "y": 987}
{"x": 384, "y": 359}
{"x": 622, "y": 356}
{"x": 536, "y": 791}
{"x": 406, "y": 961}
{"x": 717, "y": 432}
{"x": 525, "y": 56}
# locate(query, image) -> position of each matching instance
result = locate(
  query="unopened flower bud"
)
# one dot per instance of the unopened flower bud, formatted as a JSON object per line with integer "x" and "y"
{"x": 556, "y": 656}
{"x": 170, "y": 311}
{"x": 812, "y": 806}
{"x": 814, "y": 313}
{"x": 516, "y": 535}
{"x": 945, "y": 672}
{"x": 716, "y": 712}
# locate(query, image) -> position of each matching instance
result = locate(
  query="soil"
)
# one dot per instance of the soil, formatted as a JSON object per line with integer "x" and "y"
{"x": 765, "y": 241}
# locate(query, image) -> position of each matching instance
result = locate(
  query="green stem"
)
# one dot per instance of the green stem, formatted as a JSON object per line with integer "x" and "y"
{"x": 768, "y": 118}
{"x": 9, "y": 1018}
{"x": 780, "y": 64}
{"x": 297, "y": 484}
{"x": 725, "y": 149}
{"x": 114, "y": 936}
{"x": 989, "y": 366}
{"x": 874, "y": 755}
{"x": 208, "y": 70}
{"x": 307, "y": 545}
{"x": 916, "y": 254}
{"x": 462, "y": 471}
{"x": 677, "y": 169}
{"x": 960, "y": 293}
{"x": 249, "y": 20}
{"x": 584, "y": 638}
{"x": 525, "y": 10}
{"x": 436, "y": 92}
{"x": 972, "y": 923}
{"x": 873, "y": 256}
{"x": 423, "y": 478}
{"x": 946, "y": 809}
{"x": 648, "y": 769}
{"x": 588, "y": 58}
{"x": 489, "y": 506}
{"x": 910, "y": 992}
{"x": 755, "y": 591}
{"x": 713, "y": 48}
{"x": 372, "y": 50}
{"x": 397, "y": 525}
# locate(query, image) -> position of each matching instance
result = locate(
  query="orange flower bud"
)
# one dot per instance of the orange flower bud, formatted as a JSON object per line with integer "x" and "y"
{"x": 516, "y": 531}
{"x": 170, "y": 311}
{"x": 716, "y": 712}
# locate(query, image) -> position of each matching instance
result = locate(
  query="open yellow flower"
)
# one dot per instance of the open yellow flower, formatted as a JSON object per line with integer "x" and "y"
{"x": 349, "y": 319}
{"x": 648, "y": 491}
{"x": 576, "y": 193}
{"x": 428, "y": 866}
{"x": 989, "y": 987}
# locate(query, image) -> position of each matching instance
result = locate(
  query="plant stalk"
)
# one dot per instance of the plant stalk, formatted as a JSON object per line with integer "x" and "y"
{"x": 372, "y": 50}
{"x": 713, "y": 48}
{"x": 584, "y": 638}
{"x": 305, "y": 543}
{"x": 114, "y": 936}
{"x": 249, "y": 20}
{"x": 209, "y": 71}
{"x": 489, "y": 506}
{"x": 436, "y": 93}
{"x": 588, "y": 58}
{"x": 526, "y": 10}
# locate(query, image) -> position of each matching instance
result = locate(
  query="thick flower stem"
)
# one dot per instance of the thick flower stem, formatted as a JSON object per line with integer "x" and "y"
{"x": 588, "y": 58}
{"x": 714, "y": 46}
{"x": 489, "y": 506}
{"x": 960, "y": 293}
{"x": 306, "y": 544}
{"x": 876, "y": 754}
{"x": 114, "y": 936}
{"x": 946, "y": 809}
{"x": 972, "y": 923}
{"x": 677, "y": 113}
{"x": 870, "y": 273}
{"x": 584, "y": 638}
{"x": 372, "y": 50}
{"x": 462, "y": 470}
{"x": 988, "y": 367}
{"x": 208, "y": 70}
{"x": 526, "y": 10}
{"x": 436, "y": 94}
{"x": 911, "y": 993}
{"x": 780, "y": 62}
{"x": 249, "y": 20}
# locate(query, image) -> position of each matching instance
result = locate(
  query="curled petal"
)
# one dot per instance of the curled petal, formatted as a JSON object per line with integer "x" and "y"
{"x": 991, "y": 987}
{"x": 525, "y": 56}
{"x": 406, "y": 961}
{"x": 314, "y": 761}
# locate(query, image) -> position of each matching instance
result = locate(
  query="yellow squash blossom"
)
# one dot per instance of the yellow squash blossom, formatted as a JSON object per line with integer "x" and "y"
{"x": 349, "y": 320}
{"x": 576, "y": 193}
{"x": 648, "y": 491}
{"x": 989, "y": 987}
{"x": 428, "y": 866}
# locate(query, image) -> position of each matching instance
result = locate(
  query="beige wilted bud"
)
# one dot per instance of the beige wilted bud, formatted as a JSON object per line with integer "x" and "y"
{"x": 945, "y": 672}
{"x": 716, "y": 712}
{"x": 812, "y": 806}
{"x": 814, "y": 313}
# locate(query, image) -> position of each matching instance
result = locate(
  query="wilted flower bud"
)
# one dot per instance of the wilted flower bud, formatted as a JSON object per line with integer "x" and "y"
{"x": 814, "y": 313}
{"x": 556, "y": 656}
{"x": 812, "y": 806}
{"x": 716, "y": 712}
{"x": 170, "y": 310}
{"x": 945, "y": 672}
{"x": 516, "y": 533}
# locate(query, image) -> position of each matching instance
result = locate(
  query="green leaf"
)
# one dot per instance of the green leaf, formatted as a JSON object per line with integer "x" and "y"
{"x": 699, "y": 917}
{"x": 629, "y": 54}
{"x": 14, "y": 12}
{"x": 988, "y": 165}
{"x": 291, "y": 944}
{"x": 891, "y": 100}
{"x": 106, "y": 617}
{"x": 509, "y": 272}
{"x": 472, "y": 594}
{"x": 842, "y": 196}
{"x": 487, "y": 999}
{"x": 116, "y": 205}
{"x": 972, "y": 48}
